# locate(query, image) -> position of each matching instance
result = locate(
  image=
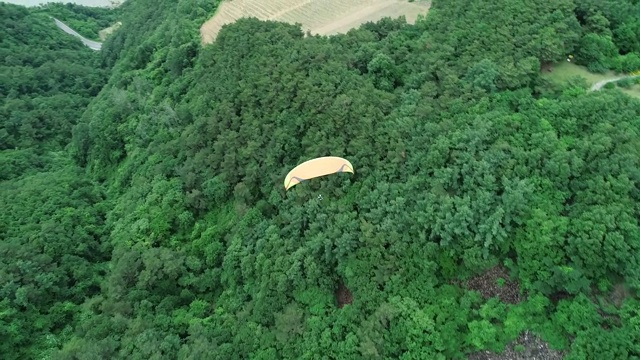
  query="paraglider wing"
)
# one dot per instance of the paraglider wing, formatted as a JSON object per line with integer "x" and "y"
{"x": 315, "y": 168}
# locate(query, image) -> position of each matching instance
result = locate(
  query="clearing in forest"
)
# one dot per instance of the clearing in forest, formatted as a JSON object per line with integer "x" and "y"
{"x": 563, "y": 72}
{"x": 322, "y": 17}
{"x": 496, "y": 282}
{"x": 632, "y": 91}
{"x": 526, "y": 347}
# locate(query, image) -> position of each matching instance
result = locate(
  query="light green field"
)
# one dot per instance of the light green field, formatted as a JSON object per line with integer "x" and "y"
{"x": 632, "y": 91}
{"x": 562, "y": 72}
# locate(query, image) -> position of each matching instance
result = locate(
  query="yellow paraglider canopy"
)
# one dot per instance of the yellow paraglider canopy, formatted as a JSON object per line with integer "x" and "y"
{"x": 315, "y": 168}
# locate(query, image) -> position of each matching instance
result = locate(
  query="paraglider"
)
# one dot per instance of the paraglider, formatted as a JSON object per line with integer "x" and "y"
{"x": 315, "y": 168}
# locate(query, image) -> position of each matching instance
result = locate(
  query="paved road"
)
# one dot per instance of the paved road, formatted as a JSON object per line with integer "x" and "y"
{"x": 93, "y": 45}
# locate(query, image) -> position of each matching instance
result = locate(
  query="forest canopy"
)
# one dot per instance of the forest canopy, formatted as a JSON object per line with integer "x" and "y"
{"x": 52, "y": 250}
{"x": 146, "y": 218}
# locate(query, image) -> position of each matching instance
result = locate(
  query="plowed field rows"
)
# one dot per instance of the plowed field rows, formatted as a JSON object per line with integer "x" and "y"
{"x": 323, "y": 17}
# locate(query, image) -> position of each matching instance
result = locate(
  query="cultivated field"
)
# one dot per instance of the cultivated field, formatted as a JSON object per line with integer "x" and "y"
{"x": 324, "y": 17}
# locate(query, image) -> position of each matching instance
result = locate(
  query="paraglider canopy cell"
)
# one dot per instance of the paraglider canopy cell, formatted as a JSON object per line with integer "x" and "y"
{"x": 315, "y": 168}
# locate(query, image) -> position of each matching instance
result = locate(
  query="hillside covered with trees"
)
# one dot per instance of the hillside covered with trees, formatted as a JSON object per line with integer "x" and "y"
{"x": 52, "y": 250}
{"x": 144, "y": 215}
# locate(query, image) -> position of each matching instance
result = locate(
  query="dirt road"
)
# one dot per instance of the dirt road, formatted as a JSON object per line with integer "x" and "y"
{"x": 597, "y": 86}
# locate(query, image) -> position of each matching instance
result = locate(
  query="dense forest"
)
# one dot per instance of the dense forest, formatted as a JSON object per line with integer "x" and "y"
{"x": 144, "y": 215}
{"x": 52, "y": 250}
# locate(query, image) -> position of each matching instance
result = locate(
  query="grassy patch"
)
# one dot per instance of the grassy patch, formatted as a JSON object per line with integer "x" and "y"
{"x": 562, "y": 72}
{"x": 631, "y": 87}
{"x": 632, "y": 91}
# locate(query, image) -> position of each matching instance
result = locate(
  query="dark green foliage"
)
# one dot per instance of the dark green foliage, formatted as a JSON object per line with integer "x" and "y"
{"x": 619, "y": 19}
{"x": 610, "y": 28}
{"x": 194, "y": 250}
{"x": 597, "y": 52}
{"x": 46, "y": 81}
{"x": 52, "y": 249}
{"x": 512, "y": 37}
{"x": 51, "y": 255}
{"x": 625, "y": 83}
{"x": 628, "y": 63}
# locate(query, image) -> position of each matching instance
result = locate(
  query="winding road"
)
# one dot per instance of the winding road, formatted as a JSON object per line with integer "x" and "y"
{"x": 93, "y": 45}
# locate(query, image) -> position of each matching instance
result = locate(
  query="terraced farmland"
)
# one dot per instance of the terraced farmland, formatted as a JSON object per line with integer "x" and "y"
{"x": 324, "y": 17}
